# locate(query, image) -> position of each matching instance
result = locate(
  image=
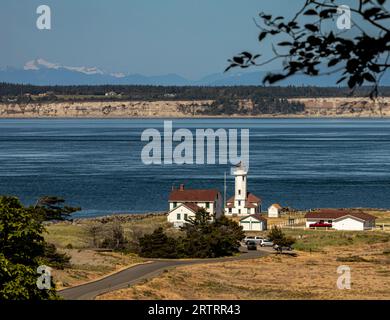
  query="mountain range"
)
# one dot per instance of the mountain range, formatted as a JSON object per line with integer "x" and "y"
{"x": 42, "y": 72}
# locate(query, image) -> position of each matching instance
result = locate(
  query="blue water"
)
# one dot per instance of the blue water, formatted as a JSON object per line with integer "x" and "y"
{"x": 96, "y": 164}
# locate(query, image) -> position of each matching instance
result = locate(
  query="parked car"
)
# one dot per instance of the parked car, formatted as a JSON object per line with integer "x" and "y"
{"x": 276, "y": 247}
{"x": 251, "y": 245}
{"x": 266, "y": 243}
{"x": 320, "y": 225}
{"x": 256, "y": 239}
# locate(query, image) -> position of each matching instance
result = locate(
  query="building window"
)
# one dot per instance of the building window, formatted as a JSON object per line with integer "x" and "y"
{"x": 175, "y": 204}
{"x": 207, "y": 205}
{"x": 230, "y": 210}
{"x": 178, "y": 217}
{"x": 239, "y": 211}
{"x": 239, "y": 202}
{"x": 243, "y": 178}
{"x": 239, "y": 192}
{"x": 185, "y": 216}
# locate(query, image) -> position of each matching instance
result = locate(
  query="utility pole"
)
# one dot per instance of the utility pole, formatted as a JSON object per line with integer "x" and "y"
{"x": 224, "y": 193}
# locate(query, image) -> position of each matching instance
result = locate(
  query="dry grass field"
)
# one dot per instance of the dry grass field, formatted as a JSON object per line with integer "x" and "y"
{"x": 307, "y": 276}
{"x": 312, "y": 274}
{"x": 87, "y": 264}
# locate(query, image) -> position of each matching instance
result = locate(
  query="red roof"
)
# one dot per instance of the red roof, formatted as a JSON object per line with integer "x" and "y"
{"x": 256, "y": 216}
{"x": 249, "y": 205}
{"x": 231, "y": 199}
{"x": 338, "y": 213}
{"x": 193, "y": 195}
{"x": 192, "y": 206}
{"x": 250, "y": 198}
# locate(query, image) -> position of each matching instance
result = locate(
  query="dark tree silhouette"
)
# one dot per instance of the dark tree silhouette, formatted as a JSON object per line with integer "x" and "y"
{"x": 52, "y": 208}
{"x": 308, "y": 45}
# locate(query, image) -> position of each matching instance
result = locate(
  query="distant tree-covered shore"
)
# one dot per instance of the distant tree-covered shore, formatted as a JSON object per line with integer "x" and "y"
{"x": 174, "y": 93}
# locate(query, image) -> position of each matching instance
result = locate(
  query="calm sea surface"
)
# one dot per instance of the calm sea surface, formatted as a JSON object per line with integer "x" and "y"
{"x": 96, "y": 164}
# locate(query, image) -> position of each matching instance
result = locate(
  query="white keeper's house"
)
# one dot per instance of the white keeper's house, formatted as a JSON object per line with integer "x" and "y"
{"x": 243, "y": 203}
{"x": 341, "y": 219}
{"x": 184, "y": 203}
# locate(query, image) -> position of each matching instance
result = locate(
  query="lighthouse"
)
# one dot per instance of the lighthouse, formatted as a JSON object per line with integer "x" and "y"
{"x": 243, "y": 203}
{"x": 240, "y": 174}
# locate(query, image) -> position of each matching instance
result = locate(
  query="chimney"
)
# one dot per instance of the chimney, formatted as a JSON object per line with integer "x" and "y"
{"x": 181, "y": 187}
{"x": 173, "y": 187}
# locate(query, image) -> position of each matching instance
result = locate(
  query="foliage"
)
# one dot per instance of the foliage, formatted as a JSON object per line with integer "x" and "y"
{"x": 158, "y": 245}
{"x": 309, "y": 47}
{"x": 279, "y": 239}
{"x": 19, "y": 282}
{"x": 21, "y": 250}
{"x": 94, "y": 230}
{"x": 55, "y": 259}
{"x": 115, "y": 237}
{"x": 154, "y": 93}
{"x": 203, "y": 239}
{"x": 261, "y": 105}
{"x": 52, "y": 208}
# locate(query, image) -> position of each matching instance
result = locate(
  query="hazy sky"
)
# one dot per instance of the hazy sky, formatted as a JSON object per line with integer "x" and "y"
{"x": 192, "y": 38}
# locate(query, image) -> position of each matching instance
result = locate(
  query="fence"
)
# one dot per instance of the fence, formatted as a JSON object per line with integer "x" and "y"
{"x": 291, "y": 223}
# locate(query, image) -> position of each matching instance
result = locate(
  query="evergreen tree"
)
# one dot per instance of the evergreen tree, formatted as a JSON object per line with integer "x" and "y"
{"x": 21, "y": 250}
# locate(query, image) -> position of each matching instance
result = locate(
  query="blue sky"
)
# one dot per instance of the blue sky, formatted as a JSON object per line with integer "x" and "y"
{"x": 192, "y": 38}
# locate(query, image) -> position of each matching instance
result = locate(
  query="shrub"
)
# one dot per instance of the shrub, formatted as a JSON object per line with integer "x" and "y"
{"x": 55, "y": 259}
{"x": 115, "y": 237}
{"x": 351, "y": 259}
{"x": 158, "y": 245}
{"x": 277, "y": 236}
{"x": 203, "y": 239}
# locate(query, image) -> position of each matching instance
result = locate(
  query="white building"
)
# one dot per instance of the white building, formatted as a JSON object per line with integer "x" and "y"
{"x": 253, "y": 222}
{"x": 243, "y": 203}
{"x": 274, "y": 211}
{"x": 339, "y": 219}
{"x": 184, "y": 203}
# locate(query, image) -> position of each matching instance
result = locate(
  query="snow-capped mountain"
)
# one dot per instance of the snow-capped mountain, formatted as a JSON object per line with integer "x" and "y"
{"x": 38, "y": 64}
{"x": 42, "y": 72}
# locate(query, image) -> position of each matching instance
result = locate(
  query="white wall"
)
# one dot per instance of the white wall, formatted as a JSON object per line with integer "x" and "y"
{"x": 212, "y": 208}
{"x": 240, "y": 184}
{"x": 252, "y": 224}
{"x": 273, "y": 212}
{"x": 172, "y": 216}
{"x": 348, "y": 224}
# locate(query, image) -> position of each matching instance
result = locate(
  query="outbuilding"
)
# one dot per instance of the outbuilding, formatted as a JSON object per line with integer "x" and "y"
{"x": 253, "y": 222}
{"x": 274, "y": 210}
{"x": 341, "y": 219}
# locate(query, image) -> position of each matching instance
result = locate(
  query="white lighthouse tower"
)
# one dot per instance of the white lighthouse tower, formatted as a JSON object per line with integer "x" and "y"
{"x": 240, "y": 174}
{"x": 243, "y": 202}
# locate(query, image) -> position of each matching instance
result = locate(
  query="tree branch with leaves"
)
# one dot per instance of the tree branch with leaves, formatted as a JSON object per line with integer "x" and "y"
{"x": 309, "y": 47}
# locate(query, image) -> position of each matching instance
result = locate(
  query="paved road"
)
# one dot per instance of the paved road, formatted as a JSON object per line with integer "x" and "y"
{"x": 132, "y": 275}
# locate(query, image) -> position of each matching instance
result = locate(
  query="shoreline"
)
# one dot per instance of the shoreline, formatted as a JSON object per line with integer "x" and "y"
{"x": 125, "y": 217}
{"x": 282, "y": 116}
{"x": 335, "y": 107}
